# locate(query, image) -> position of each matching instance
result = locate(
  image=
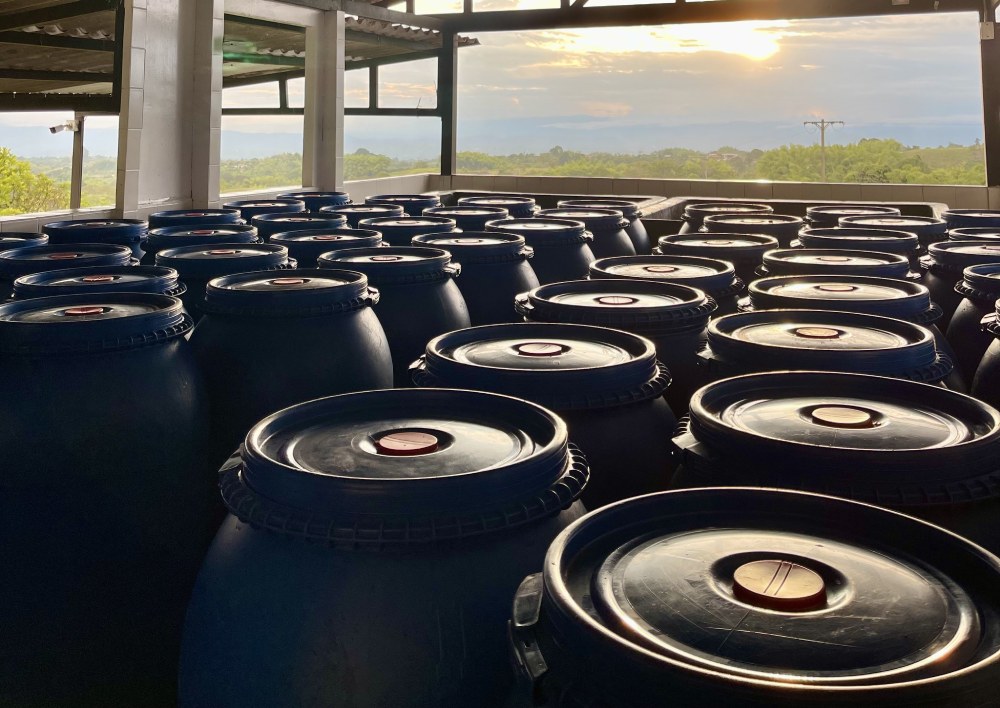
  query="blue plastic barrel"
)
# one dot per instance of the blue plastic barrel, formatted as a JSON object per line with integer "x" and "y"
{"x": 607, "y": 226}
{"x": 716, "y": 277}
{"x": 694, "y": 214}
{"x": 315, "y": 201}
{"x": 929, "y": 229}
{"x": 828, "y": 215}
{"x": 411, "y": 203}
{"x": 975, "y": 234}
{"x": 858, "y": 239}
{"x": 355, "y": 213}
{"x": 561, "y": 246}
{"x": 192, "y": 218}
{"x": 155, "y": 280}
{"x": 252, "y": 207}
{"x": 469, "y": 218}
{"x": 21, "y": 239}
{"x": 123, "y": 232}
{"x": 971, "y": 218}
{"x": 269, "y": 224}
{"x": 179, "y": 236}
{"x": 636, "y": 230}
{"x": 832, "y": 261}
{"x": 783, "y": 227}
{"x": 306, "y": 246}
{"x": 980, "y": 288}
{"x": 400, "y": 231}
{"x": 744, "y": 251}
{"x": 943, "y": 266}
{"x": 16, "y": 262}
{"x": 517, "y": 207}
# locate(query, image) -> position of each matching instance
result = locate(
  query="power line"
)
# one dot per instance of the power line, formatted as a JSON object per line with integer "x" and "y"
{"x": 822, "y": 124}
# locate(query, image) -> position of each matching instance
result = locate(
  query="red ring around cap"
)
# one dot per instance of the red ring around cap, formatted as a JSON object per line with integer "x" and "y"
{"x": 204, "y": 232}
{"x": 407, "y": 442}
{"x": 224, "y": 252}
{"x": 833, "y": 259}
{"x": 540, "y": 349}
{"x": 381, "y": 259}
{"x": 288, "y": 281}
{"x": 837, "y": 288}
{"x": 82, "y": 311}
{"x": 98, "y": 278}
{"x": 63, "y": 256}
{"x": 327, "y": 237}
{"x": 779, "y": 585}
{"x": 196, "y": 213}
{"x": 661, "y": 269}
{"x": 616, "y": 300}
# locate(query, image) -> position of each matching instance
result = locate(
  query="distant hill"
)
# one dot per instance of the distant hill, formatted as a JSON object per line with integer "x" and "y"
{"x": 419, "y": 138}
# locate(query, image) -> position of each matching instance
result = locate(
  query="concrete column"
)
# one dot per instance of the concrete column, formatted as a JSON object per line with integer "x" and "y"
{"x": 206, "y": 104}
{"x": 323, "y": 127}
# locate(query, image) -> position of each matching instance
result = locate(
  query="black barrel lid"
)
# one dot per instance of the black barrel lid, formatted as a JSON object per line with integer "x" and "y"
{"x": 314, "y": 200}
{"x": 177, "y": 236}
{"x": 980, "y": 282}
{"x": 472, "y": 213}
{"x": 718, "y": 278}
{"x": 955, "y": 256}
{"x": 596, "y": 220}
{"x": 90, "y": 323}
{"x": 478, "y": 246}
{"x": 698, "y": 212}
{"x": 885, "y": 440}
{"x": 411, "y": 203}
{"x": 882, "y": 240}
{"x": 630, "y": 210}
{"x": 975, "y": 234}
{"x": 35, "y": 259}
{"x": 518, "y": 207}
{"x": 971, "y": 218}
{"x": 646, "y": 304}
{"x": 366, "y": 211}
{"x": 94, "y": 279}
{"x": 902, "y": 299}
{"x": 96, "y": 231}
{"x": 751, "y": 223}
{"x": 831, "y": 213}
{"x": 302, "y": 293}
{"x": 278, "y": 223}
{"x": 804, "y": 261}
{"x": 922, "y": 226}
{"x": 404, "y": 467}
{"x": 761, "y": 597}
{"x": 204, "y": 262}
{"x": 309, "y": 244}
{"x": 408, "y": 226}
{"x": 731, "y": 247}
{"x": 817, "y": 340}
{"x": 542, "y": 232}
{"x": 197, "y": 217}
{"x": 21, "y": 239}
{"x": 250, "y": 208}
{"x": 560, "y": 366}
{"x": 394, "y": 265}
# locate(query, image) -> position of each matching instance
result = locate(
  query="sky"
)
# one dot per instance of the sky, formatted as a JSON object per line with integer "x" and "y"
{"x": 746, "y": 85}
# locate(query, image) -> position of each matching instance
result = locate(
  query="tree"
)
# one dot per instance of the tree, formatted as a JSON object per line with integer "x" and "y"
{"x": 24, "y": 192}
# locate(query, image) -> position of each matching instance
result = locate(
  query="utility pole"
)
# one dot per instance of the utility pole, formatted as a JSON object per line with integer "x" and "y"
{"x": 822, "y": 124}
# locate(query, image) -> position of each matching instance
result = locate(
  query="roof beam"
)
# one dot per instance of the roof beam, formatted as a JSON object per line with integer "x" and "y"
{"x": 77, "y": 77}
{"x": 254, "y": 80}
{"x": 687, "y": 13}
{"x": 263, "y": 111}
{"x": 263, "y": 59}
{"x": 395, "y": 59}
{"x": 353, "y": 35}
{"x": 42, "y": 15}
{"x": 61, "y": 41}
{"x": 396, "y": 112}
{"x": 89, "y": 103}
{"x": 373, "y": 12}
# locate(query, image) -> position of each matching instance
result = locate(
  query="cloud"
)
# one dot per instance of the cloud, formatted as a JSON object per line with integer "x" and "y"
{"x": 600, "y": 109}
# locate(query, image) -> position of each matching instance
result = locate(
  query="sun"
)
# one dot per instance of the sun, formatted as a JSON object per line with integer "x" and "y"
{"x": 756, "y": 41}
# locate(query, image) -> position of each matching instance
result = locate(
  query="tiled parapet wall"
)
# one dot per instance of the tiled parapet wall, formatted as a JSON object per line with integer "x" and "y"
{"x": 958, "y": 197}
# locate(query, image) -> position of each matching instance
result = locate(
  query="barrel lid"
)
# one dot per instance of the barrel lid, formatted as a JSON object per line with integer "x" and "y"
{"x": 975, "y": 234}
{"x": 502, "y": 201}
{"x": 832, "y": 212}
{"x": 34, "y": 259}
{"x": 193, "y": 216}
{"x": 305, "y": 292}
{"x": 920, "y": 225}
{"x": 459, "y": 211}
{"x": 886, "y": 440}
{"x": 21, "y": 239}
{"x": 741, "y": 591}
{"x": 972, "y": 217}
{"x": 409, "y": 225}
{"x": 560, "y": 366}
{"x": 800, "y": 261}
{"x": 478, "y": 246}
{"x": 594, "y": 219}
{"x": 855, "y": 293}
{"x": 393, "y": 265}
{"x": 412, "y": 203}
{"x": 819, "y": 340}
{"x": 718, "y": 245}
{"x": 175, "y": 236}
{"x": 266, "y": 206}
{"x": 221, "y": 259}
{"x": 96, "y": 322}
{"x": 314, "y": 199}
{"x": 142, "y": 279}
{"x": 648, "y": 305}
{"x": 408, "y": 466}
{"x": 700, "y": 211}
{"x": 716, "y": 277}
{"x": 980, "y": 282}
{"x": 366, "y": 209}
{"x": 957, "y": 255}
{"x": 543, "y": 232}
{"x": 335, "y": 237}
{"x": 630, "y": 210}
{"x": 884, "y": 240}
{"x": 750, "y": 222}
{"x": 96, "y": 231}
{"x": 305, "y": 219}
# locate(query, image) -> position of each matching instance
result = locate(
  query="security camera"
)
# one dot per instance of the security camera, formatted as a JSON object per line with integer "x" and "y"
{"x": 70, "y": 125}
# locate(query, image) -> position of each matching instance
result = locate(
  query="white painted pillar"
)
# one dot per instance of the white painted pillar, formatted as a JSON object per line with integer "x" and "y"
{"x": 323, "y": 125}
{"x": 206, "y": 104}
